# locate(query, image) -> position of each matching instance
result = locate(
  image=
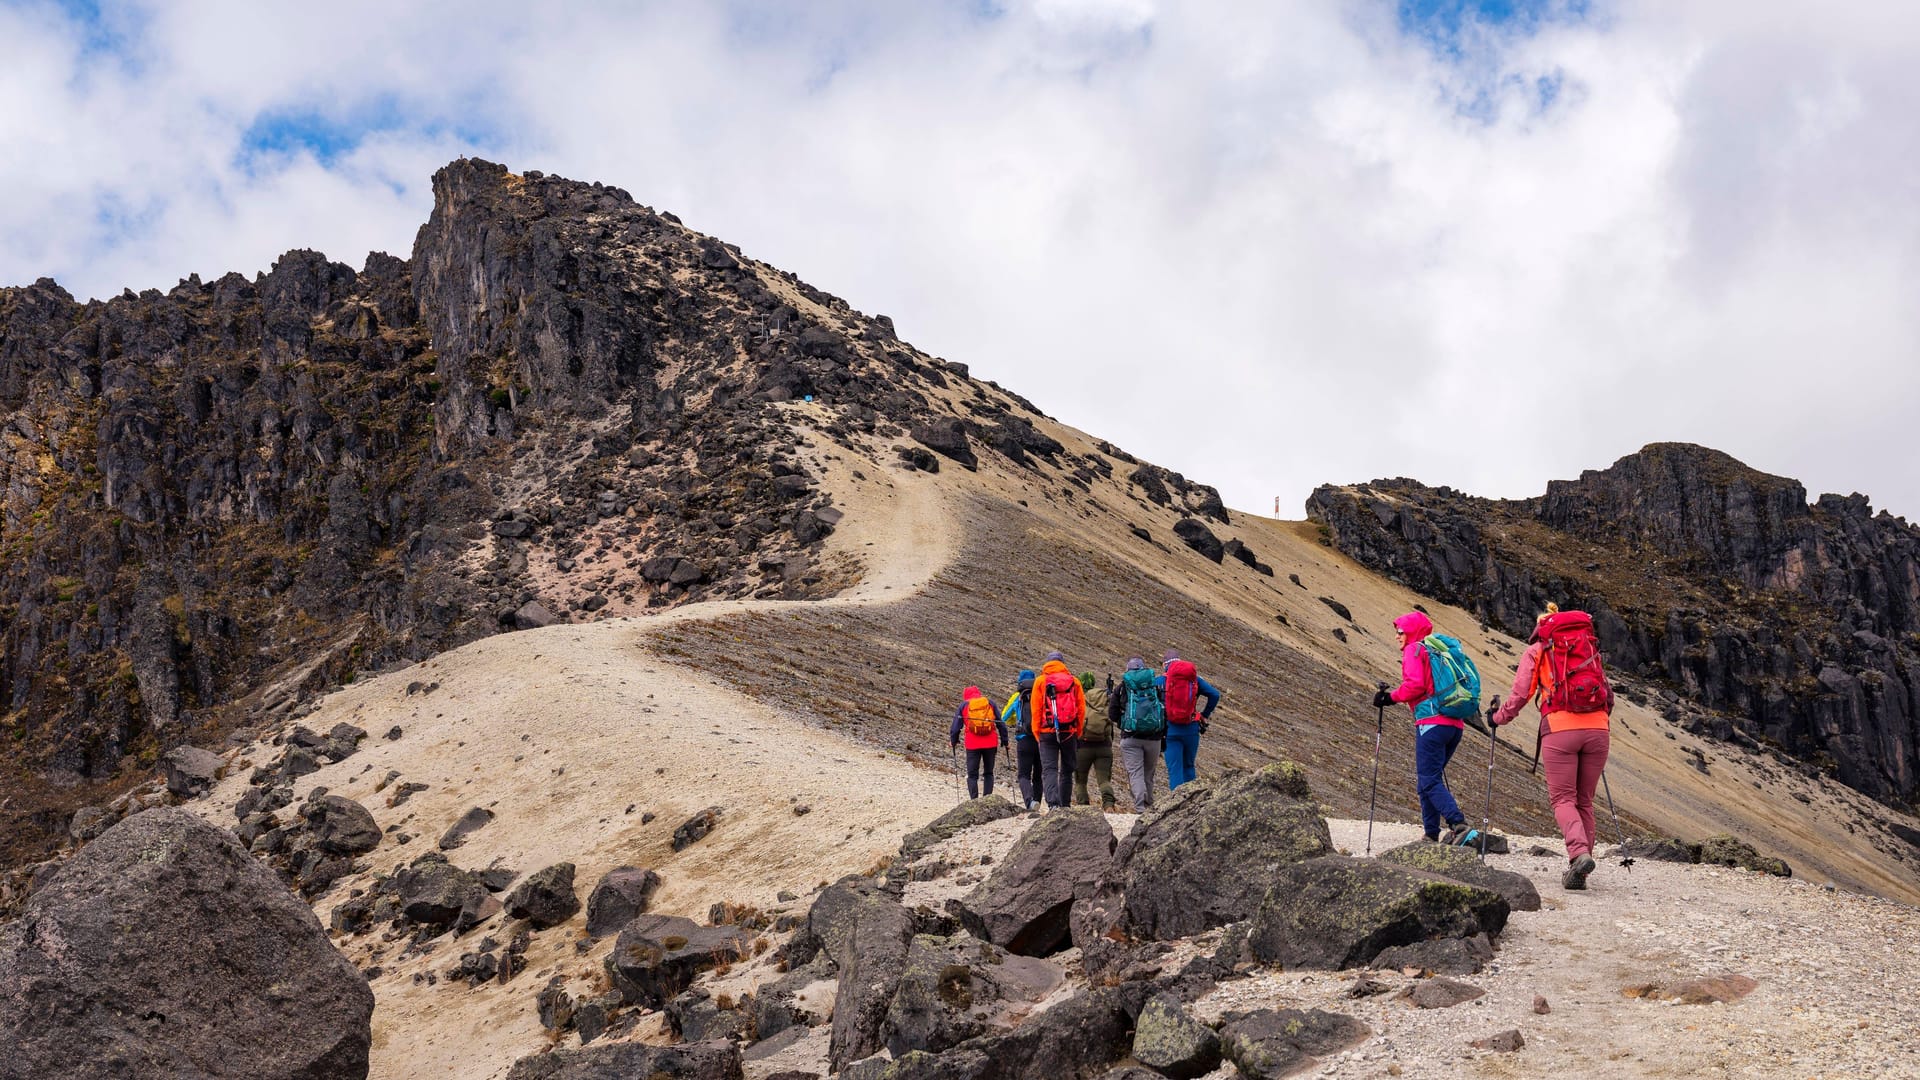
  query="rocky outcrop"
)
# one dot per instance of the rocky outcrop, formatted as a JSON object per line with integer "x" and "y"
{"x": 657, "y": 956}
{"x": 1024, "y": 906}
{"x": 1765, "y": 617}
{"x": 1336, "y": 912}
{"x": 716, "y": 1060}
{"x": 1461, "y": 864}
{"x": 163, "y": 949}
{"x": 620, "y": 897}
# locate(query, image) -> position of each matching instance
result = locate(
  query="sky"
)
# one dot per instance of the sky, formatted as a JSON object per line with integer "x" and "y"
{"x": 1482, "y": 243}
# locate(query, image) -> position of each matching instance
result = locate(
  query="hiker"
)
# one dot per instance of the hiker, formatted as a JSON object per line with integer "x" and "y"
{"x": 1181, "y": 687}
{"x": 1059, "y": 706}
{"x": 1136, "y": 711}
{"x": 975, "y": 721}
{"x": 1018, "y": 717}
{"x": 1436, "y": 735}
{"x": 1562, "y": 674}
{"x": 1094, "y": 754}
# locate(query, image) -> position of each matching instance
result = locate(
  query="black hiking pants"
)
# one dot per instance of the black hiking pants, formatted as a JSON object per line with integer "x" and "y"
{"x": 1056, "y": 767}
{"x": 1026, "y": 760}
{"x": 979, "y": 761}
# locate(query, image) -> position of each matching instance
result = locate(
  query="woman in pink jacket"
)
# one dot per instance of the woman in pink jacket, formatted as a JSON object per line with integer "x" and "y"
{"x": 1574, "y": 737}
{"x": 1436, "y": 737}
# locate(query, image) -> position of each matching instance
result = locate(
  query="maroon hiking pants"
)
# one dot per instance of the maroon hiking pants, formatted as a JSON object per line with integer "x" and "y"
{"x": 1573, "y": 761}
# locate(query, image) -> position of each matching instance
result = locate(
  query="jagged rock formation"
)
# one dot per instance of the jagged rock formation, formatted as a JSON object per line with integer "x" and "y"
{"x": 562, "y": 403}
{"x": 1798, "y": 622}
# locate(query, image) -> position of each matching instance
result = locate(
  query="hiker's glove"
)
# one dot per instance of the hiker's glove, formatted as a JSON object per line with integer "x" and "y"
{"x": 1163, "y": 744}
{"x": 1382, "y": 699}
{"x": 1203, "y": 727}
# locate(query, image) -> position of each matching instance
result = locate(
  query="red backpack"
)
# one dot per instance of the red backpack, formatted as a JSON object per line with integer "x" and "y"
{"x": 1183, "y": 689}
{"x": 1062, "y": 717}
{"x": 1572, "y": 677}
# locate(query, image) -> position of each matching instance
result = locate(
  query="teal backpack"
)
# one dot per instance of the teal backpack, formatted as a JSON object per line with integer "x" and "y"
{"x": 1456, "y": 682}
{"x": 1143, "y": 717}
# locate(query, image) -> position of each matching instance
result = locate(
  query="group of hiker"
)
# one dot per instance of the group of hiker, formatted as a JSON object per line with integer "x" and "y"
{"x": 1064, "y": 729}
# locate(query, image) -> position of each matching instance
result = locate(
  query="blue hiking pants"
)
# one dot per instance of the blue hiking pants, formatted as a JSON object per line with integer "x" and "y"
{"x": 1433, "y": 747}
{"x": 1183, "y": 745}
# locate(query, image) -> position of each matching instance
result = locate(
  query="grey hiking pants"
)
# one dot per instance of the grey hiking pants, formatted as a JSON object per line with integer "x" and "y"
{"x": 1139, "y": 756}
{"x": 1056, "y": 768}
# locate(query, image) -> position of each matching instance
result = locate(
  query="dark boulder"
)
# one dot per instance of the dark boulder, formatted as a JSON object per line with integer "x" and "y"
{"x": 1272, "y": 1043}
{"x": 869, "y": 941}
{"x": 340, "y": 826}
{"x": 696, "y": 1017}
{"x": 1337, "y": 912}
{"x": 1461, "y": 864}
{"x": 1024, "y": 905}
{"x": 191, "y": 770}
{"x": 546, "y": 898}
{"x": 718, "y": 1060}
{"x": 832, "y": 918}
{"x": 1078, "y": 1038}
{"x": 657, "y": 956}
{"x": 1199, "y": 538}
{"x": 968, "y": 814}
{"x": 947, "y": 438}
{"x": 1167, "y": 1039}
{"x": 1241, "y": 828}
{"x": 164, "y": 949}
{"x": 1441, "y": 993}
{"x": 622, "y": 895}
{"x": 437, "y": 894}
{"x": 954, "y": 988}
{"x": 1443, "y": 956}
{"x": 470, "y": 822}
{"x": 695, "y": 828}
{"x": 1660, "y": 849}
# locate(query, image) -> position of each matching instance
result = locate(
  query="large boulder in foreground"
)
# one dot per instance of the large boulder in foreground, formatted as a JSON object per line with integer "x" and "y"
{"x": 717, "y": 1060}
{"x": 164, "y": 949}
{"x": 1024, "y": 905}
{"x": 1461, "y": 864}
{"x": 1336, "y": 912}
{"x": 1207, "y": 857}
{"x": 956, "y": 987}
{"x": 1268, "y": 1043}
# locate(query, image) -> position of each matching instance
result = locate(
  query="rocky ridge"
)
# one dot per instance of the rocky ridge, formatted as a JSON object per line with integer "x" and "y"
{"x": 1751, "y": 614}
{"x": 563, "y": 405}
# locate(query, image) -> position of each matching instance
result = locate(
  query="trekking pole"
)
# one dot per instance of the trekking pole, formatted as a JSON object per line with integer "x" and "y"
{"x": 1626, "y": 860}
{"x": 1379, "y": 727}
{"x": 1493, "y": 732}
{"x": 958, "y": 786}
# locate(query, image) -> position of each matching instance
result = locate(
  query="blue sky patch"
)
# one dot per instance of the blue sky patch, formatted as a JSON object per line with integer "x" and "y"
{"x": 1453, "y": 28}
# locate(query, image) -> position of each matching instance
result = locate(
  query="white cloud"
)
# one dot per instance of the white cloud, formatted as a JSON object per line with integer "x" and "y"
{"x": 1266, "y": 244}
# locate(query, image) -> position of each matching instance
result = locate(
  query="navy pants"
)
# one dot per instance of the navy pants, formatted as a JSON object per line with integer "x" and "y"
{"x": 1027, "y": 772}
{"x": 1433, "y": 747}
{"x": 1183, "y": 746}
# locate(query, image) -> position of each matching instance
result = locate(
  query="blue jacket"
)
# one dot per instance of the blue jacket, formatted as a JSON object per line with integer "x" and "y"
{"x": 1207, "y": 692}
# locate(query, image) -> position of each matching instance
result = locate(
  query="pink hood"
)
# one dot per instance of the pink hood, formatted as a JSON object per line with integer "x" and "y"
{"x": 1414, "y": 624}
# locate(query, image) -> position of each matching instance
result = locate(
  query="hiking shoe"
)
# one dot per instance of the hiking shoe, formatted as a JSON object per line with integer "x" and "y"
{"x": 1456, "y": 834}
{"x": 1576, "y": 875}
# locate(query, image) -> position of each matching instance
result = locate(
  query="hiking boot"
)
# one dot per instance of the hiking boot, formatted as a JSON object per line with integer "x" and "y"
{"x": 1456, "y": 834}
{"x": 1576, "y": 875}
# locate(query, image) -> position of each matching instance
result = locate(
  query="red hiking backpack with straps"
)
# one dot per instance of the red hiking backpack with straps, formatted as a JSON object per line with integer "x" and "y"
{"x": 1572, "y": 677}
{"x": 1183, "y": 689}
{"x": 1064, "y": 713}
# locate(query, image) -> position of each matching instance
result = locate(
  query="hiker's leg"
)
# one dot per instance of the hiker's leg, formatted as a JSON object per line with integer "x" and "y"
{"x": 1433, "y": 746}
{"x": 1026, "y": 763}
{"x": 1102, "y": 755}
{"x": 1560, "y": 758}
{"x": 1069, "y": 749}
{"x": 973, "y": 774}
{"x": 1180, "y": 740}
{"x": 1137, "y": 756}
{"x": 1050, "y": 769}
{"x": 1081, "y": 762}
{"x": 1594, "y": 746}
{"x": 1190, "y": 752}
{"x": 986, "y": 769}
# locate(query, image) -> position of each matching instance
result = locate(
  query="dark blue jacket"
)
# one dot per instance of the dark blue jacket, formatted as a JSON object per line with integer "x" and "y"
{"x": 1206, "y": 689}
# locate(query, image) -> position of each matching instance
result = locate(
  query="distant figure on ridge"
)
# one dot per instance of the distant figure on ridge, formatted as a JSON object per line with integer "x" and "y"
{"x": 1059, "y": 707}
{"x": 1440, "y": 684}
{"x": 1095, "y": 753}
{"x": 1181, "y": 687}
{"x": 984, "y": 733}
{"x": 1136, "y": 710}
{"x": 1018, "y": 717}
{"x": 1561, "y": 671}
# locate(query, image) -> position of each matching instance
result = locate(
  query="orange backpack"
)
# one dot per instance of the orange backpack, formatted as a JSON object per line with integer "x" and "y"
{"x": 979, "y": 717}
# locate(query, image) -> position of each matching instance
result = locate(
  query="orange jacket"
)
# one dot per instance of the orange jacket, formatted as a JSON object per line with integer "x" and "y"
{"x": 1076, "y": 711}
